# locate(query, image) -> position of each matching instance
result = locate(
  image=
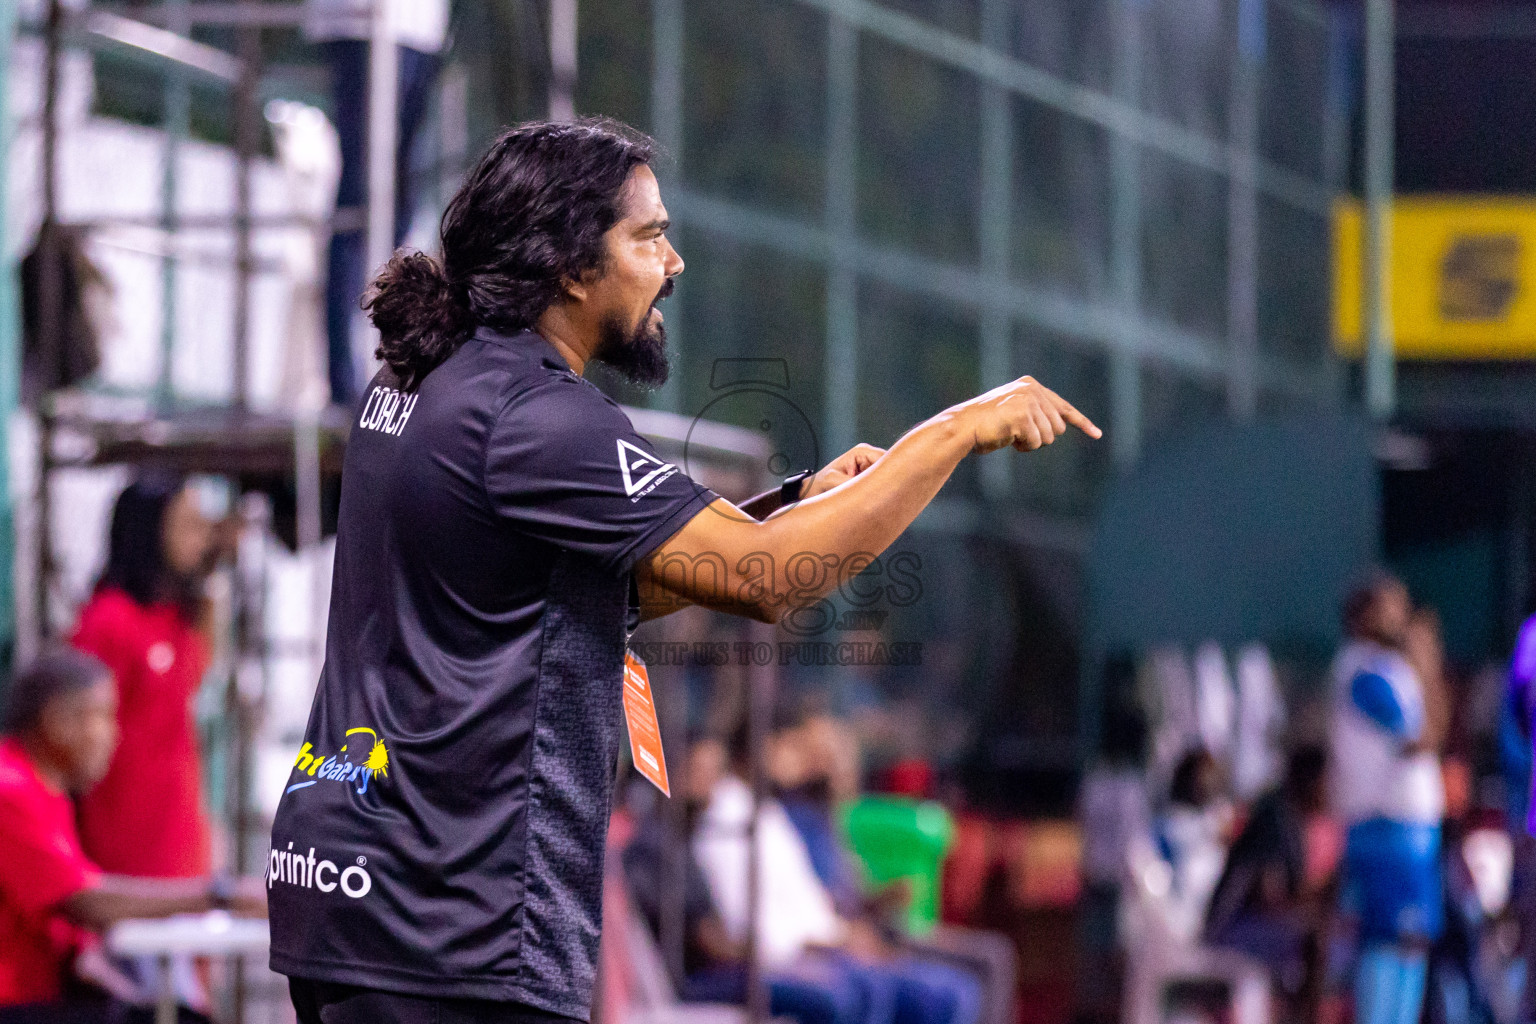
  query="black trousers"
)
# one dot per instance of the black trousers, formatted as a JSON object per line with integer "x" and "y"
{"x": 90, "y": 1009}
{"x": 323, "y": 1002}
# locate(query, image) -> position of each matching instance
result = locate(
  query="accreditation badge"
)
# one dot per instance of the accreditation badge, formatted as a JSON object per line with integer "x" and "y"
{"x": 640, "y": 716}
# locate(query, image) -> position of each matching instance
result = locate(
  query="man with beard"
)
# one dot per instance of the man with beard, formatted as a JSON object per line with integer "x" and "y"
{"x": 438, "y": 850}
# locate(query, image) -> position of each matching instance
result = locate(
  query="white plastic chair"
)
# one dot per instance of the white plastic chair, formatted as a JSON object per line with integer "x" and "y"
{"x": 653, "y": 1000}
{"x": 1157, "y": 958}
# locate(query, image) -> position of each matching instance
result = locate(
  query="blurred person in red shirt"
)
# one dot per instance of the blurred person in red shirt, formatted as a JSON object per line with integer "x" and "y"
{"x": 146, "y": 817}
{"x": 60, "y": 731}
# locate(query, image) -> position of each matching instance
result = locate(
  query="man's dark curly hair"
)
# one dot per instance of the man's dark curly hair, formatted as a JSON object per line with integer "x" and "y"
{"x": 531, "y": 214}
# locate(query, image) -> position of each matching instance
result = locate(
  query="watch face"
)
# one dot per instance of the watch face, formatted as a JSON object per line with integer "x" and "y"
{"x": 792, "y": 440}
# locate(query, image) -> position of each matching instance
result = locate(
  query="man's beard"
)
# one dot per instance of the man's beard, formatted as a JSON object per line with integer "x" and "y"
{"x": 638, "y": 354}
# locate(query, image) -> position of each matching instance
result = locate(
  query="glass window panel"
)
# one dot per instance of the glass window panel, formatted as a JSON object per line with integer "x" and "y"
{"x": 1062, "y": 201}
{"x": 962, "y": 17}
{"x": 919, "y": 154}
{"x": 1293, "y": 92}
{"x": 1071, "y": 40}
{"x": 755, "y": 103}
{"x": 614, "y": 61}
{"x": 1186, "y": 63}
{"x": 504, "y": 51}
{"x": 1066, "y": 478}
{"x": 1184, "y": 244}
{"x": 737, "y": 301}
{"x": 916, "y": 357}
{"x": 134, "y": 90}
{"x": 1295, "y": 283}
{"x": 1173, "y": 403}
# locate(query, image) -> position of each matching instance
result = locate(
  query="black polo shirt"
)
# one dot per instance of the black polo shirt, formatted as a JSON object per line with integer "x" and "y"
{"x": 442, "y": 830}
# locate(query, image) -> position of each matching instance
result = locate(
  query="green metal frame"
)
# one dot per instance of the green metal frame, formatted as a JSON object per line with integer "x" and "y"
{"x": 10, "y": 362}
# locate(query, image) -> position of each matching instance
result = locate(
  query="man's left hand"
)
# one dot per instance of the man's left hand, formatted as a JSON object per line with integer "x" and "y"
{"x": 841, "y": 469}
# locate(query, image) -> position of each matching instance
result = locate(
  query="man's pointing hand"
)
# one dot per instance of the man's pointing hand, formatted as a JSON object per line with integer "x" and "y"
{"x": 1024, "y": 413}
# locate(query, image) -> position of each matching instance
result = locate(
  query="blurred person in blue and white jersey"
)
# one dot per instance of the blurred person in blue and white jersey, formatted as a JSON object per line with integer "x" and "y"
{"x": 1388, "y": 791}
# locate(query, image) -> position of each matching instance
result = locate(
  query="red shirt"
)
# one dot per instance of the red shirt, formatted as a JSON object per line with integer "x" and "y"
{"x": 41, "y": 865}
{"x": 146, "y": 817}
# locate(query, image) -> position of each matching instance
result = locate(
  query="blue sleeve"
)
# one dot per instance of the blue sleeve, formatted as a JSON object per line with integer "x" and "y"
{"x": 1374, "y": 697}
{"x": 564, "y": 465}
{"x": 1522, "y": 668}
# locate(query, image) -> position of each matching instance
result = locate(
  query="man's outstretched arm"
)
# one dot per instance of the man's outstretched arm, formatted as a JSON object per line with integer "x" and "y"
{"x": 725, "y": 560}
{"x": 658, "y": 600}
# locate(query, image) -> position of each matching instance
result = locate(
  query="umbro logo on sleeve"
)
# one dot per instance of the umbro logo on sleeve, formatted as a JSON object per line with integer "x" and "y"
{"x": 642, "y": 471}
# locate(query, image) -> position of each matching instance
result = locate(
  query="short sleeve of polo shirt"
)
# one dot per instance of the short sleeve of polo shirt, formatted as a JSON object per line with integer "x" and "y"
{"x": 41, "y": 863}
{"x": 565, "y": 466}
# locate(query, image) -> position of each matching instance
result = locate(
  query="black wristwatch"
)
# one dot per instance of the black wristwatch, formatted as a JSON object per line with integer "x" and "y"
{"x": 789, "y": 491}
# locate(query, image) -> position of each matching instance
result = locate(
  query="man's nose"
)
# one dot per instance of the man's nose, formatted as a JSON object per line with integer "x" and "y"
{"x": 674, "y": 263}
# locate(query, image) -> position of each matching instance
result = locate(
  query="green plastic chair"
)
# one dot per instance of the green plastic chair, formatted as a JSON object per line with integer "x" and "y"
{"x": 898, "y": 838}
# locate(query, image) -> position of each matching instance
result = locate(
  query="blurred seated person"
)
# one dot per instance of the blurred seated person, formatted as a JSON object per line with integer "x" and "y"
{"x": 146, "y": 621}
{"x": 714, "y": 963}
{"x": 1265, "y": 905}
{"x": 1192, "y": 834}
{"x": 1477, "y": 970}
{"x": 797, "y": 917}
{"x": 60, "y": 731}
{"x": 813, "y": 764}
{"x": 813, "y": 767}
{"x": 1114, "y": 814}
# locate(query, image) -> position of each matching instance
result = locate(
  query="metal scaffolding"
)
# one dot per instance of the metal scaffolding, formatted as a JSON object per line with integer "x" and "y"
{"x": 231, "y": 440}
{"x": 162, "y": 34}
{"x": 243, "y": 444}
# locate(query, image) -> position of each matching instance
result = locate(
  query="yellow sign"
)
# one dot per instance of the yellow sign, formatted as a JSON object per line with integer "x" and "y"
{"x": 1463, "y": 280}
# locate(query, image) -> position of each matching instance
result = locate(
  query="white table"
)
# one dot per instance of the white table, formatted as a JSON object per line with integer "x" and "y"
{"x": 216, "y": 933}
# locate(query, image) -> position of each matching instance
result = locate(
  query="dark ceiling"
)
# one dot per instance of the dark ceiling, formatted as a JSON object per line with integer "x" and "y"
{"x": 1466, "y": 105}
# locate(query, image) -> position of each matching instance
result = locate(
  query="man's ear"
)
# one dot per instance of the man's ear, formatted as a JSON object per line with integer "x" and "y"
{"x": 574, "y": 289}
{"x": 53, "y": 724}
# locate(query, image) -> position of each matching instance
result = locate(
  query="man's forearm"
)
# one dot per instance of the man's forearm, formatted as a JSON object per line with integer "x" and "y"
{"x": 119, "y": 897}
{"x": 761, "y": 506}
{"x": 726, "y": 562}
{"x": 730, "y": 562}
{"x": 866, "y": 514}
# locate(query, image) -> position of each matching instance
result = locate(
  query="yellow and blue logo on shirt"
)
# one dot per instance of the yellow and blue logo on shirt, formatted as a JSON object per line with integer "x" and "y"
{"x": 341, "y": 766}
